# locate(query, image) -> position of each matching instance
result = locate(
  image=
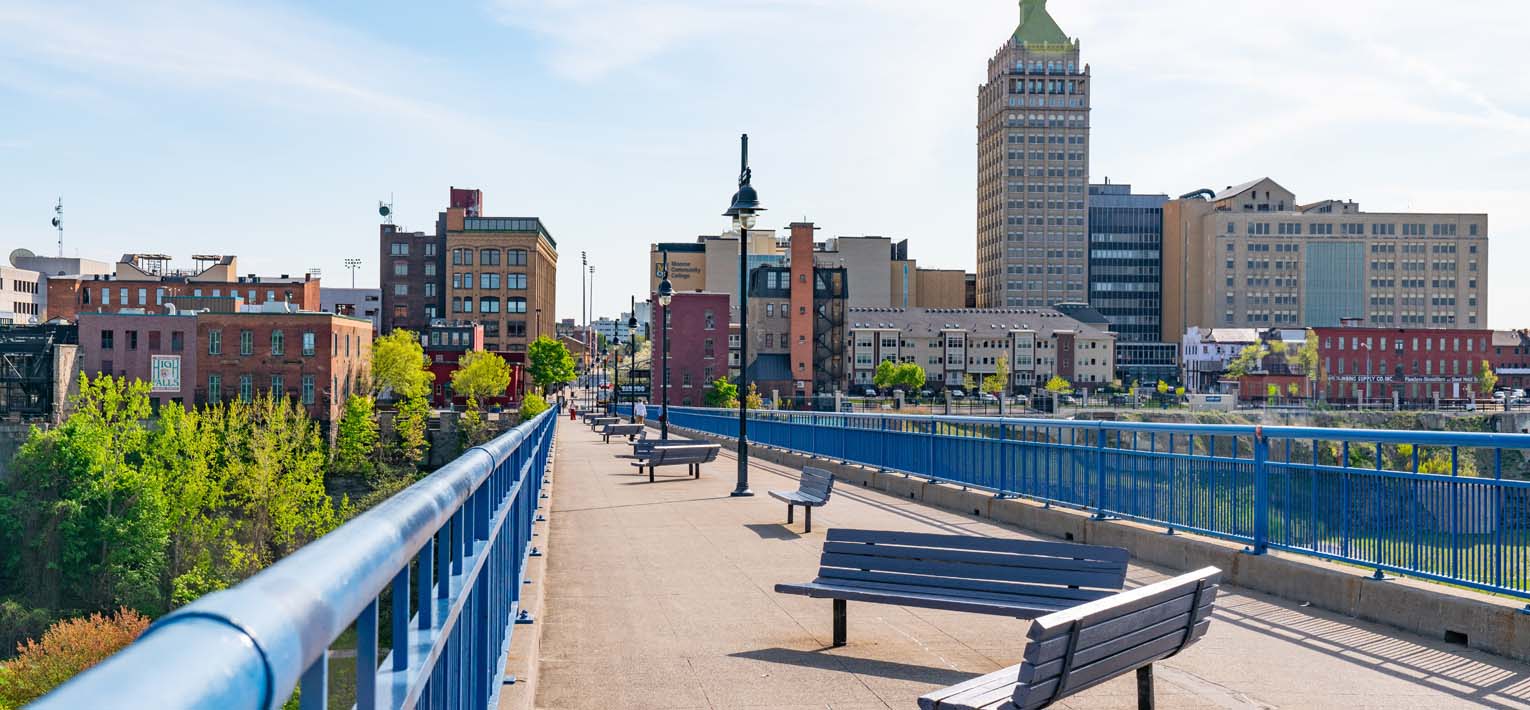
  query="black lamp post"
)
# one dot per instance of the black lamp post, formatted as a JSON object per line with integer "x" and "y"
{"x": 632, "y": 353}
{"x": 666, "y": 294}
{"x": 616, "y": 371}
{"x": 744, "y": 211}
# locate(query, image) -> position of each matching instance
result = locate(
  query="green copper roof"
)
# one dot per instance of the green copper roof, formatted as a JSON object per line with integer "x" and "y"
{"x": 1036, "y": 26}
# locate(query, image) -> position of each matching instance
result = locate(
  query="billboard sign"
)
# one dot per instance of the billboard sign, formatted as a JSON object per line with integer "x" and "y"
{"x": 165, "y": 373}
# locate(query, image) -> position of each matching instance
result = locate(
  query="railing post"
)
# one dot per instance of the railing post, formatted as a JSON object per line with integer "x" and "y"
{"x": 1099, "y": 472}
{"x": 1261, "y": 492}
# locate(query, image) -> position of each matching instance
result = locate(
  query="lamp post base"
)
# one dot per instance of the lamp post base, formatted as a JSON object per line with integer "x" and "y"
{"x": 741, "y": 493}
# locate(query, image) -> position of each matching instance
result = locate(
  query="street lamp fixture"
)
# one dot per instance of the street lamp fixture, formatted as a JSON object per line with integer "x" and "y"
{"x": 615, "y": 351}
{"x": 744, "y": 211}
{"x": 666, "y": 294}
{"x": 632, "y": 353}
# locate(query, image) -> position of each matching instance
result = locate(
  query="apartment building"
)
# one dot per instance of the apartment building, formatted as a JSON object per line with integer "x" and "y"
{"x": 696, "y": 328}
{"x": 410, "y": 277}
{"x": 951, "y": 344}
{"x": 1251, "y": 256}
{"x": 1033, "y": 168}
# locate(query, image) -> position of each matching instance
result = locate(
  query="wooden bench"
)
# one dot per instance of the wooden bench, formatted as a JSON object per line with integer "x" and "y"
{"x": 1071, "y": 650}
{"x": 1019, "y": 578}
{"x": 620, "y": 429}
{"x": 692, "y": 455}
{"x": 642, "y": 446}
{"x": 812, "y": 491}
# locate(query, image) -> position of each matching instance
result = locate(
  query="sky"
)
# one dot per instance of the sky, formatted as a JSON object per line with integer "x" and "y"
{"x": 272, "y": 130}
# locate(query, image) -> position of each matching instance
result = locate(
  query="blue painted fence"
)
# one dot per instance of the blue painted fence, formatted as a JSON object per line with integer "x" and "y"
{"x": 1427, "y": 504}
{"x": 452, "y": 549}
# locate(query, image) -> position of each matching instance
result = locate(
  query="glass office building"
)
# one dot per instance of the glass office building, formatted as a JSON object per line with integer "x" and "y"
{"x": 1126, "y": 277}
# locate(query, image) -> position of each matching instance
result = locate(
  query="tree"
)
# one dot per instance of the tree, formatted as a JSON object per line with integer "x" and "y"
{"x": 1271, "y": 391}
{"x": 1247, "y": 361}
{"x": 549, "y": 363}
{"x": 409, "y": 430}
{"x": 722, "y": 394}
{"x": 1179, "y": 392}
{"x": 1487, "y": 380}
{"x": 65, "y": 649}
{"x": 753, "y": 400}
{"x": 998, "y": 382}
{"x": 910, "y": 376}
{"x": 532, "y": 405}
{"x": 886, "y": 375}
{"x": 1294, "y": 390}
{"x": 398, "y": 366}
{"x": 1163, "y": 387}
{"x": 356, "y": 440}
{"x": 968, "y": 383}
{"x": 480, "y": 375}
{"x": 278, "y": 485}
{"x": 1058, "y": 386}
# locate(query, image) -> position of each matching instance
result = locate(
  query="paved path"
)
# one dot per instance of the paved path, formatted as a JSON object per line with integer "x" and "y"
{"x": 660, "y": 596}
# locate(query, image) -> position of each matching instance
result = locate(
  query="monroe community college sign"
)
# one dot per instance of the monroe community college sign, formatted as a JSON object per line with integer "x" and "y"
{"x": 165, "y": 373}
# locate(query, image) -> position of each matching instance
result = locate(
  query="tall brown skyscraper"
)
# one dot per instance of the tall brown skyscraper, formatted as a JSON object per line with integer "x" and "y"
{"x": 1033, "y": 168}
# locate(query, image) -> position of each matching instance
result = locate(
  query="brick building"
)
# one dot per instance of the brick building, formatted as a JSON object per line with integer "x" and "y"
{"x": 318, "y": 358}
{"x": 1413, "y": 365}
{"x": 698, "y": 322}
{"x": 156, "y": 348}
{"x": 411, "y": 278}
{"x": 146, "y": 281}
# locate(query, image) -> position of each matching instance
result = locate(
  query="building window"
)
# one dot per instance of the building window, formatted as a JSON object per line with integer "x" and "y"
{"x": 430, "y": 290}
{"x": 278, "y": 386}
{"x": 246, "y": 388}
{"x": 430, "y": 268}
{"x": 307, "y": 389}
{"x": 177, "y": 341}
{"x": 132, "y": 339}
{"x": 106, "y": 297}
{"x": 515, "y": 257}
{"x": 278, "y": 343}
{"x": 770, "y": 310}
{"x": 108, "y": 339}
{"x": 430, "y": 249}
{"x": 246, "y": 342}
{"x": 515, "y": 328}
{"x": 214, "y": 342}
{"x": 308, "y": 343}
{"x": 711, "y": 319}
{"x": 401, "y": 289}
{"x": 214, "y": 388}
{"x": 488, "y": 257}
{"x": 515, "y": 304}
{"x": 488, "y": 304}
{"x": 515, "y": 282}
{"x": 399, "y": 249}
{"x": 400, "y": 268}
{"x": 488, "y": 280}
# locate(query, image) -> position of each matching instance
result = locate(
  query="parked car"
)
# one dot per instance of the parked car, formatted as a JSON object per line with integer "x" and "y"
{"x": 926, "y": 394}
{"x": 957, "y": 393}
{"x": 1118, "y": 400}
{"x": 1501, "y": 395}
{"x": 989, "y": 397}
{"x": 1068, "y": 399}
{"x": 871, "y": 391}
{"x": 1022, "y": 400}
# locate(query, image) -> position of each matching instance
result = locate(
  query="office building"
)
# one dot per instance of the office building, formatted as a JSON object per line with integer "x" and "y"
{"x": 1033, "y": 168}
{"x": 503, "y": 275}
{"x": 355, "y": 302}
{"x": 952, "y": 344}
{"x": 1125, "y": 279}
{"x": 318, "y": 359}
{"x": 1251, "y": 256}
{"x": 697, "y": 329}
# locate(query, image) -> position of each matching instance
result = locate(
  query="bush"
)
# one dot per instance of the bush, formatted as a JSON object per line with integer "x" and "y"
{"x": 532, "y": 405}
{"x": 66, "y": 648}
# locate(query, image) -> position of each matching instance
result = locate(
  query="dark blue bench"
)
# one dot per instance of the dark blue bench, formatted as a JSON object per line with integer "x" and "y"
{"x": 1069, "y": 651}
{"x": 619, "y": 429}
{"x": 1019, "y": 578}
{"x": 692, "y": 455}
{"x": 643, "y": 446}
{"x": 812, "y": 491}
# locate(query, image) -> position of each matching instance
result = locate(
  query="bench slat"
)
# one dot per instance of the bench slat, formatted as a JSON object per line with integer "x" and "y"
{"x": 998, "y": 686}
{"x": 1033, "y": 672}
{"x": 990, "y": 544}
{"x": 1092, "y": 637}
{"x": 1116, "y": 569}
{"x": 997, "y": 591}
{"x": 1080, "y": 679}
{"x": 1123, "y": 604}
{"x": 796, "y": 498}
{"x": 928, "y": 567}
{"x": 1034, "y": 608}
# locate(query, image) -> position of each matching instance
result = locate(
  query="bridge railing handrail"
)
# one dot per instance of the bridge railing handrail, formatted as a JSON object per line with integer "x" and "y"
{"x": 1393, "y": 500}
{"x": 248, "y": 646}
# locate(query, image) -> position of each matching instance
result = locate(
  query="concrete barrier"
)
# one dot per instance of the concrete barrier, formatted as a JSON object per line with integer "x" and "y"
{"x": 1494, "y": 624}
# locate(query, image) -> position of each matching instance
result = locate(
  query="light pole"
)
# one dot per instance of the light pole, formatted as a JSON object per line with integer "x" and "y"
{"x": 744, "y": 210}
{"x": 666, "y": 294}
{"x": 353, "y": 265}
{"x": 632, "y": 353}
{"x": 616, "y": 371}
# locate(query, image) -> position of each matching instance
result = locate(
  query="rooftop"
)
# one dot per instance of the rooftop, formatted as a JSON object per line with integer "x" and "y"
{"x": 1037, "y": 25}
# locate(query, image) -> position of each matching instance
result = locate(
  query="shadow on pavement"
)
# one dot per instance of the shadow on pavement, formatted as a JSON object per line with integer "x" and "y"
{"x": 864, "y": 666}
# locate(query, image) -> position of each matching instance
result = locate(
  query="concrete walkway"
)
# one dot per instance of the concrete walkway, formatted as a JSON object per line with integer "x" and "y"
{"x": 660, "y": 596}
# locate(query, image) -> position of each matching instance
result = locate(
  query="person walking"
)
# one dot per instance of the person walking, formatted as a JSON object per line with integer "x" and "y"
{"x": 640, "y": 411}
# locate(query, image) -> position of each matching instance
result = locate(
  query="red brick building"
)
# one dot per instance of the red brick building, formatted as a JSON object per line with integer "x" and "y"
{"x": 1411, "y": 364}
{"x": 143, "y": 282}
{"x": 158, "y": 349}
{"x": 698, "y": 353}
{"x": 444, "y": 347}
{"x": 318, "y": 358}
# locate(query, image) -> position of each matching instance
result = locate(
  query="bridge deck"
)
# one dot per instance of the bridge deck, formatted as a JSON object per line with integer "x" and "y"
{"x": 660, "y": 596}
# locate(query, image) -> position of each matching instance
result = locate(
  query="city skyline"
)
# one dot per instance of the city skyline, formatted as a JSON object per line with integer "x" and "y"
{"x": 282, "y": 127}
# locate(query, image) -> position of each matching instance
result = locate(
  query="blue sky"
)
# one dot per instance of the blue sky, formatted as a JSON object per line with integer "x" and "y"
{"x": 271, "y": 130}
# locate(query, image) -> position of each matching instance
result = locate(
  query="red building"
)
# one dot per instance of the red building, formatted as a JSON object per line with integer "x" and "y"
{"x": 445, "y": 344}
{"x": 318, "y": 358}
{"x": 1413, "y": 365}
{"x": 158, "y": 349}
{"x": 698, "y": 353}
{"x": 146, "y": 282}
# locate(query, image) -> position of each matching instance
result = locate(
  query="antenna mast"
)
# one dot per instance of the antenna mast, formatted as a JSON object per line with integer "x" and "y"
{"x": 58, "y": 223}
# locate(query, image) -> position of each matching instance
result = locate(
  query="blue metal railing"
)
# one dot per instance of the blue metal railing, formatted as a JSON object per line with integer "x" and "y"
{"x": 1428, "y": 504}
{"x": 452, "y": 549}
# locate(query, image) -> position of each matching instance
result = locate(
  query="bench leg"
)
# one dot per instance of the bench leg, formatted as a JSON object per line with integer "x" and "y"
{"x": 839, "y": 622}
{"x": 650, "y": 474}
{"x": 789, "y": 509}
{"x": 1145, "y": 687}
{"x": 807, "y": 518}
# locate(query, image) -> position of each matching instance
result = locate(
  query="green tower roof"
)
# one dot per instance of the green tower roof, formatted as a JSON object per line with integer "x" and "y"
{"x": 1036, "y": 26}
